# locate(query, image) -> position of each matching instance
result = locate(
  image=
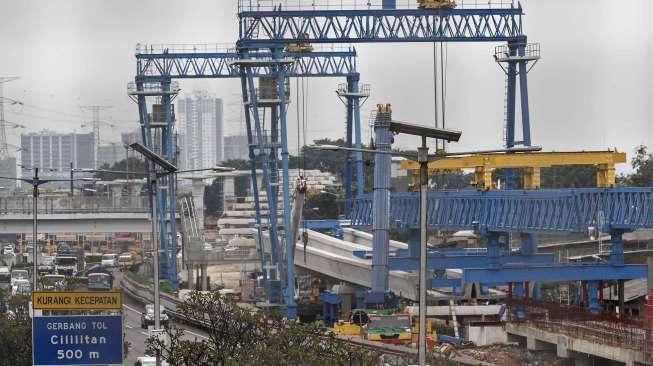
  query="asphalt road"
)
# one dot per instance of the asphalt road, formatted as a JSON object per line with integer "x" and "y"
{"x": 136, "y": 335}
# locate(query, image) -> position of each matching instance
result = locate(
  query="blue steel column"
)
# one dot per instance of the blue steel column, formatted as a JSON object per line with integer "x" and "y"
{"x": 252, "y": 164}
{"x": 510, "y": 113}
{"x": 523, "y": 96}
{"x": 171, "y": 181}
{"x": 348, "y": 143}
{"x": 617, "y": 248}
{"x": 360, "y": 175}
{"x": 413, "y": 243}
{"x": 272, "y": 210}
{"x": 593, "y": 305}
{"x": 163, "y": 194}
{"x": 381, "y": 205}
{"x": 528, "y": 247}
{"x": 289, "y": 291}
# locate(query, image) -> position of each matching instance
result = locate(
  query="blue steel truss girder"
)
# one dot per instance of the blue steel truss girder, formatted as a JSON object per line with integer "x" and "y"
{"x": 555, "y": 273}
{"x": 466, "y": 261}
{"x": 529, "y": 211}
{"x": 259, "y": 28}
{"x": 154, "y": 66}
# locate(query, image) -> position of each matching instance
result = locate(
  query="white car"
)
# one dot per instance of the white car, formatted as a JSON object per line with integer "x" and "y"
{"x": 109, "y": 260}
{"x": 8, "y": 250}
{"x": 21, "y": 286}
{"x": 147, "y": 317}
{"x": 18, "y": 275}
{"x": 148, "y": 361}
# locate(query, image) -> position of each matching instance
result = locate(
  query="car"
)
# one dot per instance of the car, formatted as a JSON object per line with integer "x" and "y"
{"x": 21, "y": 286}
{"x": 109, "y": 260}
{"x": 147, "y": 317}
{"x": 19, "y": 274}
{"x": 8, "y": 250}
{"x": 46, "y": 265}
{"x": 148, "y": 361}
{"x": 125, "y": 260}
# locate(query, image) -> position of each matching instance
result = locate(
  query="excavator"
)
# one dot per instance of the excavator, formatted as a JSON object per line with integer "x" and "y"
{"x": 436, "y": 4}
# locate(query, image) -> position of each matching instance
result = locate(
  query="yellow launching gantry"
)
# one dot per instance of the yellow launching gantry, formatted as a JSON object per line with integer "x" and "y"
{"x": 529, "y": 162}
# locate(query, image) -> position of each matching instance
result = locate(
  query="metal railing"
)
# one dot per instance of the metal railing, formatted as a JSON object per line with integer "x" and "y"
{"x": 64, "y": 205}
{"x": 152, "y": 87}
{"x": 271, "y": 5}
{"x": 578, "y": 322}
{"x": 162, "y": 48}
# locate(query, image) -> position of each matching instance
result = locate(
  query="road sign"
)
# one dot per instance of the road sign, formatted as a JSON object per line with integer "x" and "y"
{"x": 83, "y": 300}
{"x": 77, "y": 340}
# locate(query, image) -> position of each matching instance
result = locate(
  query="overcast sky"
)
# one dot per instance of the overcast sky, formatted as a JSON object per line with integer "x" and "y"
{"x": 592, "y": 89}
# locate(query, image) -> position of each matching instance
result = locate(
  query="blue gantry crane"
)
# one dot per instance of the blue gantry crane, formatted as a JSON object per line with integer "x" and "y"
{"x": 157, "y": 66}
{"x": 269, "y": 26}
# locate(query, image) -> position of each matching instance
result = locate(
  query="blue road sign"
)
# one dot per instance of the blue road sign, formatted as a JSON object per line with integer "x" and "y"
{"x": 77, "y": 340}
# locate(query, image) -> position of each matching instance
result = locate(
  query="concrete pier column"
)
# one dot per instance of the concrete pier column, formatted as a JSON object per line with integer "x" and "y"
{"x": 204, "y": 275}
{"x": 228, "y": 187}
{"x": 191, "y": 276}
{"x": 197, "y": 191}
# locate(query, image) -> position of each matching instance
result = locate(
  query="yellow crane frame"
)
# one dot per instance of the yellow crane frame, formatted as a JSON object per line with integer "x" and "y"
{"x": 529, "y": 162}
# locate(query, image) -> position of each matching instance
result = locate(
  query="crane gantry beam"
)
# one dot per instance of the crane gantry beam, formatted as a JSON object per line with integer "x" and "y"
{"x": 262, "y": 28}
{"x": 155, "y": 63}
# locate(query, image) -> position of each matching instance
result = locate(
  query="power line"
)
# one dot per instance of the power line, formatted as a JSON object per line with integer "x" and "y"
{"x": 95, "y": 111}
{"x": 4, "y": 151}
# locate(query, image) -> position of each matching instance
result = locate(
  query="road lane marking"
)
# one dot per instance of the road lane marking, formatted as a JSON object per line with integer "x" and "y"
{"x": 131, "y": 308}
{"x": 145, "y": 334}
{"x": 128, "y": 326}
{"x": 195, "y": 334}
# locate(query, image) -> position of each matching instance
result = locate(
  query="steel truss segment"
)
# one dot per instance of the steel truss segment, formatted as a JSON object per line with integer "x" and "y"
{"x": 466, "y": 261}
{"x": 153, "y": 66}
{"x": 561, "y": 272}
{"x": 396, "y": 25}
{"x": 529, "y": 211}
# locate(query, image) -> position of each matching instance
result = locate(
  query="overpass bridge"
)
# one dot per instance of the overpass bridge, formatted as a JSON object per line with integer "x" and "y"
{"x": 60, "y": 213}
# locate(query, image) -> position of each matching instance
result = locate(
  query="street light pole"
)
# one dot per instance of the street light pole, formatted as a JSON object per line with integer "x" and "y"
{"x": 35, "y": 196}
{"x": 155, "y": 256}
{"x": 423, "y": 159}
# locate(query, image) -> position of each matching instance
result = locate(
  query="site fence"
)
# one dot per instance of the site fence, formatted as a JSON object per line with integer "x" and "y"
{"x": 575, "y": 321}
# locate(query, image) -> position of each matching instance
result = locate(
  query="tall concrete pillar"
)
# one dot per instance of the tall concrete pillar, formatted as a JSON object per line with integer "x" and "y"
{"x": 228, "y": 187}
{"x": 191, "y": 276}
{"x": 116, "y": 193}
{"x": 197, "y": 191}
{"x": 204, "y": 275}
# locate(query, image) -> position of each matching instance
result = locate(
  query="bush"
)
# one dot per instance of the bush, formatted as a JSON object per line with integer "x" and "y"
{"x": 95, "y": 258}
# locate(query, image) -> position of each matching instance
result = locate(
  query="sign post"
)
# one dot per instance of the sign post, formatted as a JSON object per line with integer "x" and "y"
{"x": 77, "y": 339}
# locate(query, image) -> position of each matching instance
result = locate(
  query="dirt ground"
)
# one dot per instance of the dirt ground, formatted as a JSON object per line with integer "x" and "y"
{"x": 506, "y": 355}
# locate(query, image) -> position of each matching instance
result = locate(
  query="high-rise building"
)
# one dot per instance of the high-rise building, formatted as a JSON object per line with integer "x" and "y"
{"x": 235, "y": 147}
{"x": 110, "y": 154}
{"x": 52, "y": 153}
{"x": 8, "y": 169}
{"x": 200, "y": 130}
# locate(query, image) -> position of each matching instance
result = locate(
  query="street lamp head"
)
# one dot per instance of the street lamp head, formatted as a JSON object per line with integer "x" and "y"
{"x": 325, "y": 147}
{"x": 89, "y": 179}
{"x": 223, "y": 169}
{"x": 153, "y": 157}
{"x": 423, "y": 131}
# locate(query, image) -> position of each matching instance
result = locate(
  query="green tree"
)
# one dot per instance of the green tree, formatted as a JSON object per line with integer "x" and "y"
{"x": 642, "y": 164}
{"x": 242, "y": 336}
{"x": 213, "y": 203}
{"x": 15, "y": 332}
{"x": 132, "y": 165}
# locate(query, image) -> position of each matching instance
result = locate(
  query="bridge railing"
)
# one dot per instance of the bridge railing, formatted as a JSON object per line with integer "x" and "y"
{"x": 78, "y": 204}
{"x": 576, "y": 321}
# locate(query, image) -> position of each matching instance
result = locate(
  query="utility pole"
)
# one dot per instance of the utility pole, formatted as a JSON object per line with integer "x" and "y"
{"x": 4, "y": 151}
{"x": 95, "y": 121}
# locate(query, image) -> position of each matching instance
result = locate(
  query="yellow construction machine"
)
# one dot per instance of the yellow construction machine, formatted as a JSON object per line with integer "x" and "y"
{"x": 300, "y": 46}
{"x": 436, "y": 4}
